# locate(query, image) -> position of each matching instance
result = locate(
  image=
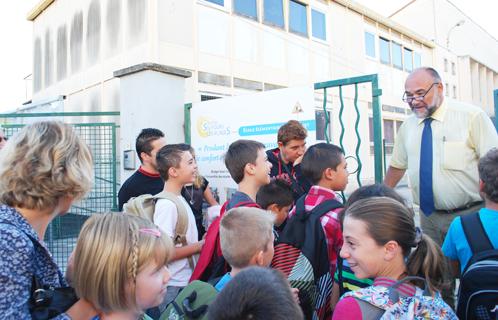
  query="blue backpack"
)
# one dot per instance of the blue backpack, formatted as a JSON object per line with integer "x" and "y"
{"x": 478, "y": 292}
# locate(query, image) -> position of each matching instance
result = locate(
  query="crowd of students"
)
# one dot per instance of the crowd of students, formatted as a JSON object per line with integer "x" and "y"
{"x": 366, "y": 258}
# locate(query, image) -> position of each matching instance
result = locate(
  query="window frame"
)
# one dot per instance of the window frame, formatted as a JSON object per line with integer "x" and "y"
{"x": 405, "y": 49}
{"x": 270, "y": 23}
{"x": 324, "y": 22}
{"x": 388, "y": 51}
{"x": 305, "y": 5}
{"x": 393, "y": 45}
{"x": 242, "y": 14}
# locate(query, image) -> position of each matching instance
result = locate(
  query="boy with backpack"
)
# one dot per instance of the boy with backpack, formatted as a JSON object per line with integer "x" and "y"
{"x": 177, "y": 167}
{"x": 248, "y": 166}
{"x": 472, "y": 246}
{"x": 313, "y": 231}
{"x": 277, "y": 198}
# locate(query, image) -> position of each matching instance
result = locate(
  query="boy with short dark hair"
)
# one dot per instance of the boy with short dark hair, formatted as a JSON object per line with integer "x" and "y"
{"x": 146, "y": 180}
{"x": 325, "y": 166}
{"x": 177, "y": 167}
{"x": 286, "y": 158}
{"x": 248, "y": 166}
{"x": 277, "y": 198}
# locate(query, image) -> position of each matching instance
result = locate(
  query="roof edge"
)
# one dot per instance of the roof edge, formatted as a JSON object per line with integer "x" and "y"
{"x": 38, "y": 9}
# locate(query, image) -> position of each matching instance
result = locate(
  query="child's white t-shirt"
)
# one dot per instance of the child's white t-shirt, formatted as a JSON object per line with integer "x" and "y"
{"x": 165, "y": 217}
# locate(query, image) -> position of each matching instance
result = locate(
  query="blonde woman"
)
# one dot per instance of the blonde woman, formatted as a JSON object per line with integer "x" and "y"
{"x": 120, "y": 265}
{"x": 43, "y": 169}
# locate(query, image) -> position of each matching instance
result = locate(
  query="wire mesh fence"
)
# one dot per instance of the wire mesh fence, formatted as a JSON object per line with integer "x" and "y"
{"x": 62, "y": 233}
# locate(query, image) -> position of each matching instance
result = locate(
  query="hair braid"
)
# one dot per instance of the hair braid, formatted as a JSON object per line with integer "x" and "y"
{"x": 134, "y": 252}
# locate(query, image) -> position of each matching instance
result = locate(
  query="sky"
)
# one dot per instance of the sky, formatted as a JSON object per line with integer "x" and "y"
{"x": 16, "y": 60}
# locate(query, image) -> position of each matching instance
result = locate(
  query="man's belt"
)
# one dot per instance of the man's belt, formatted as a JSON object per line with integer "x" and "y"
{"x": 463, "y": 208}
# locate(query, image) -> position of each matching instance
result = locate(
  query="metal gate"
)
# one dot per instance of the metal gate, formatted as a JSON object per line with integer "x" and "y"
{"x": 99, "y": 130}
{"x": 377, "y": 129}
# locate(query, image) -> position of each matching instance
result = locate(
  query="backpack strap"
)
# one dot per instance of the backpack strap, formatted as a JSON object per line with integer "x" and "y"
{"x": 181, "y": 220}
{"x": 474, "y": 232}
{"x": 324, "y": 207}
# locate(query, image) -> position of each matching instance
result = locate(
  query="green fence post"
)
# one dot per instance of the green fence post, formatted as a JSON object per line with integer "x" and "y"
{"x": 377, "y": 122}
{"x": 187, "y": 124}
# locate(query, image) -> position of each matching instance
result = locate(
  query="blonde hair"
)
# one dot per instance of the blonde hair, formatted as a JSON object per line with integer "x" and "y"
{"x": 112, "y": 249}
{"x": 243, "y": 233}
{"x": 387, "y": 219}
{"x": 43, "y": 163}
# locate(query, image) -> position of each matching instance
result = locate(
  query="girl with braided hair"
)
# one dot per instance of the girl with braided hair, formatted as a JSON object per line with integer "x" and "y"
{"x": 120, "y": 265}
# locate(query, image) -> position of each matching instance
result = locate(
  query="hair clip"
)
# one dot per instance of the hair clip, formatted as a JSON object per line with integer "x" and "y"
{"x": 153, "y": 232}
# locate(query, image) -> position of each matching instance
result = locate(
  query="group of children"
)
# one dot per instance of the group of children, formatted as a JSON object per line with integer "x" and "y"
{"x": 373, "y": 245}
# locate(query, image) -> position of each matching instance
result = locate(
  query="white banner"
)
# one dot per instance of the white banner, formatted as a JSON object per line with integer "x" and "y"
{"x": 215, "y": 124}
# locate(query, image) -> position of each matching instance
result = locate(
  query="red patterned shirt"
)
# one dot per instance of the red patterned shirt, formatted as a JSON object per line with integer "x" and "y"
{"x": 330, "y": 221}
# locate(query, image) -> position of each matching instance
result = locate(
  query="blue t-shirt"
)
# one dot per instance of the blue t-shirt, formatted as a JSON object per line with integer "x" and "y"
{"x": 223, "y": 282}
{"x": 455, "y": 245}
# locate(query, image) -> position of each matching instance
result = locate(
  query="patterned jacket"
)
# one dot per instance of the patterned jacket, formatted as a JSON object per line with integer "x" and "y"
{"x": 20, "y": 260}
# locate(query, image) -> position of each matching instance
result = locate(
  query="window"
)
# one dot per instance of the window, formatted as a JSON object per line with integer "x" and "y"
{"x": 298, "y": 22}
{"x": 396, "y": 55}
{"x": 274, "y": 12}
{"x": 447, "y": 89}
{"x": 417, "y": 60}
{"x": 369, "y": 44}
{"x": 453, "y": 68}
{"x": 389, "y": 136}
{"x": 321, "y": 122}
{"x": 384, "y": 48}
{"x": 219, "y": 2}
{"x": 408, "y": 59}
{"x": 454, "y": 92}
{"x": 247, "y": 8}
{"x": 318, "y": 28}
{"x": 445, "y": 65}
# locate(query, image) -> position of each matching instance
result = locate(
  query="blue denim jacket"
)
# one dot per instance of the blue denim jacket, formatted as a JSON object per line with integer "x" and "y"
{"x": 20, "y": 260}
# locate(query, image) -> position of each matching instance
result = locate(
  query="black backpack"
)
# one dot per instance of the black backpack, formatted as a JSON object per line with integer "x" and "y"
{"x": 301, "y": 254}
{"x": 478, "y": 292}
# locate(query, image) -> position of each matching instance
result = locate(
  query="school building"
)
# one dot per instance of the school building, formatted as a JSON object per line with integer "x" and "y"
{"x": 147, "y": 58}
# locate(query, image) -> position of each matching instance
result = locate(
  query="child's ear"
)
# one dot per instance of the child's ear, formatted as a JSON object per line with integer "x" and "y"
{"x": 273, "y": 208}
{"x": 329, "y": 174}
{"x": 172, "y": 172}
{"x": 259, "y": 259}
{"x": 249, "y": 168}
{"x": 481, "y": 185}
{"x": 391, "y": 250}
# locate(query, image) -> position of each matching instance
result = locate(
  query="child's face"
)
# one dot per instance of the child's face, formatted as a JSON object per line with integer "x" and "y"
{"x": 340, "y": 176}
{"x": 187, "y": 170}
{"x": 151, "y": 285}
{"x": 281, "y": 213}
{"x": 363, "y": 254}
{"x": 262, "y": 168}
{"x": 268, "y": 254}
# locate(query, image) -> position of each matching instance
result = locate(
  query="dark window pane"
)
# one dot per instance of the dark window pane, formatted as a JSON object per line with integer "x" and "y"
{"x": 318, "y": 28}
{"x": 321, "y": 121}
{"x": 408, "y": 57}
{"x": 246, "y": 7}
{"x": 389, "y": 131}
{"x": 384, "y": 47}
{"x": 371, "y": 129}
{"x": 220, "y": 2}
{"x": 297, "y": 18}
{"x": 417, "y": 60}
{"x": 274, "y": 12}
{"x": 370, "y": 44}
{"x": 397, "y": 60}
{"x": 398, "y": 125}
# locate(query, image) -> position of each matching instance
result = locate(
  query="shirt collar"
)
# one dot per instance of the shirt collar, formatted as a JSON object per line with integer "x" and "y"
{"x": 326, "y": 193}
{"x": 438, "y": 115}
{"x": 15, "y": 218}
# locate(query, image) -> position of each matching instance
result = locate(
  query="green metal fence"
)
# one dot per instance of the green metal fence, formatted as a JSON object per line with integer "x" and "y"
{"x": 376, "y": 93}
{"x": 99, "y": 130}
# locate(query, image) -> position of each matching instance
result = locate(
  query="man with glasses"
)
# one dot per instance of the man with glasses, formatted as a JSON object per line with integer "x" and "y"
{"x": 440, "y": 146}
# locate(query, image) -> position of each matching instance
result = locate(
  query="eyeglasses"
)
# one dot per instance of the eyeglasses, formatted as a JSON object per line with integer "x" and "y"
{"x": 409, "y": 99}
{"x": 2, "y": 139}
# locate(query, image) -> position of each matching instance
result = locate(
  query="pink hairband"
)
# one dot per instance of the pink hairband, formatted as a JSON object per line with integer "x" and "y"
{"x": 154, "y": 232}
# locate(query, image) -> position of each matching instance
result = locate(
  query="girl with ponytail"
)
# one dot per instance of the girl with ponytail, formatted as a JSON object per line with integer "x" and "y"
{"x": 382, "y": 242}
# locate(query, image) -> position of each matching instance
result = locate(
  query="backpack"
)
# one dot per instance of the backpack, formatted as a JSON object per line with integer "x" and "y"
{"x": 301, "y": 254}
{"x": 145, "y": 205}
{"x": 191, "y": 303}
{"x": 386, "y": 303}
{"x": 211, "y": 263}
{"x": 478, "y": 292}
